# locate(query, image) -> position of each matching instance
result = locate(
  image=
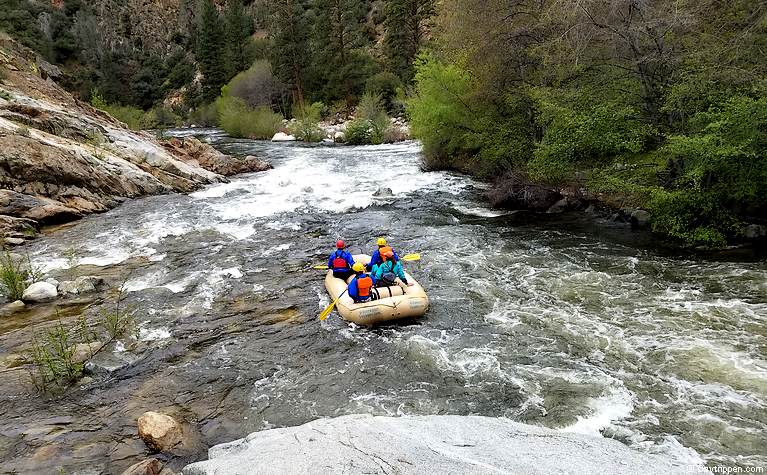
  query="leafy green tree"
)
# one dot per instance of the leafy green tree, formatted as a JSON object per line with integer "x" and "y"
{"x": 210, "y": 50}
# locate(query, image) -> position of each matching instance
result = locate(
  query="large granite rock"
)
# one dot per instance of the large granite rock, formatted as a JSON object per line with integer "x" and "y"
{"x": 426, "y": 444}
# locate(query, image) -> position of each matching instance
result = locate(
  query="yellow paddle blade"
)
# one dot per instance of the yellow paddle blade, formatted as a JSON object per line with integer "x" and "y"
{"x": 330, "y": 307}
{"x": 321, "y": 267}
{"x": 412, "y": 257}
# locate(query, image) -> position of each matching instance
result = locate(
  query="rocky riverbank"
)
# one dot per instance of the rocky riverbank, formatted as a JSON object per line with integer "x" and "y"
{"x": 427, "y": 444}
{"x": 515, "y": 192}
{"x": 61, "y": 159}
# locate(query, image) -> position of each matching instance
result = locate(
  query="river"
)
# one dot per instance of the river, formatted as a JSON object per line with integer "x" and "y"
{"x": 539, "y": 323}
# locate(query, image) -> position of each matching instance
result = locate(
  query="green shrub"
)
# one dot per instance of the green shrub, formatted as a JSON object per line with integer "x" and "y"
{"x": 580, "y": 130}
{"x": 439, "y": 111}
{"x": 359, "y": 132}
{"x": 717, "y": 179}
{"x": 385, "y": 85}
{"x": 371, "y": 113}
{"x": 53, "y": 356}
{"x": 238, "y": 120}
{"x": 133, "y": 117}
{"x": 15, "y": 276}
{"x": 305, "y": 126}
{"x": 205, "y": 116}
{"x": 257, "y": 86}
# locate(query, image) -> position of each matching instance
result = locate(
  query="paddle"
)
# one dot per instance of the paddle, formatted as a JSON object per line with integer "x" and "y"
{"x": 407, "y": 258}
{"x": 330, "y": 307}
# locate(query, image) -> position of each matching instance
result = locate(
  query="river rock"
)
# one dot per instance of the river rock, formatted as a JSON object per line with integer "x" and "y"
{"x": 283, "y": 137}
{"x": 640, "y": 219}
{"x": 11, "y": 308}
{"x": 514, "y": 192}
{"x": 84, "y": 351}
{"x": 755, "y": 231}
{"x": 40, "y": 292}
{"x": 147, "y": 467}
{"x": 159, "y": 431}
{"x": 559, "y": 207}
{"x": 37, "y": 208}
{"x": 80, "y": 285}
{"x": 383, "y": 192}
{"x": 339, "y": 137}
{"x": 14, "y": 241}
{"x": 427, "y": 444}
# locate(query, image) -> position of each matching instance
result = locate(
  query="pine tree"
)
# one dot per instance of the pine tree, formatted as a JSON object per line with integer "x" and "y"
{"x": 239, "y": 27}
{"x": 339, "y": 35}
{"x": 290, "y": 55}
{"x": 404, "y": 33}
{"x": 210, "y": 49}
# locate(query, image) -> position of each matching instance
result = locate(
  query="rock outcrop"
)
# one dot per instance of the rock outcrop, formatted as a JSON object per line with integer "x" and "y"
{"x": 61, "y": 158}
{"x": 197, "y": 153}
{"x": 426, "y": 444}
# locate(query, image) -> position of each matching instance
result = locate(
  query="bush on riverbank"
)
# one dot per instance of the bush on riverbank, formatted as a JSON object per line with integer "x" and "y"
{"x": 679, "y": 131}
{"x": 305, "y": 126}
{"x": 239, "y": 120}
{"x": 136, "y": 118}
{"x": 371, "y": 123}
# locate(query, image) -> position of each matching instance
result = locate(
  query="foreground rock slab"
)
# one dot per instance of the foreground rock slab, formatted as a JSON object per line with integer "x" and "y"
{"x": 426, "y": 444}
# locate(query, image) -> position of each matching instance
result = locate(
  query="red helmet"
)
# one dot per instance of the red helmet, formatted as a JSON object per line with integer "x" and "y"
{"x": 340, "y": 244}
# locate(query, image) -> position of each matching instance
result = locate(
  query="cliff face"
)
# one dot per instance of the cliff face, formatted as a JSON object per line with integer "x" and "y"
{"x": 60, "y": 158}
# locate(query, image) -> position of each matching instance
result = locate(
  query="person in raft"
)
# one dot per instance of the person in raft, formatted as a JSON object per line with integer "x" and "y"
{"x": 360, "y": 288}
{"x": 341, "y": 262}
{"x": 376, "y": 258}
{"x": 390, "y": 272}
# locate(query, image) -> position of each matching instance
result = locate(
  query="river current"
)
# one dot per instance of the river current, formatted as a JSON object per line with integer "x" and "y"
{"x": 540, "y": 324}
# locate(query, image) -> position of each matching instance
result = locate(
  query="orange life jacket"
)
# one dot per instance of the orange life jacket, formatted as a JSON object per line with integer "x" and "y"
{"x": 383, "y": 250}
{"x": 364, "y": 284}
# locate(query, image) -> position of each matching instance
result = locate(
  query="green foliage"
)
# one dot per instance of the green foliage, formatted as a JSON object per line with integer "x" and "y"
{"x": 290, "y": 54}
{"x": 257, "y": 86}
{"x": 342, "y": 65}
{"x": 15, "y": 276}
{"x": 118, "y": 322}
{"x": 305, "y": 126}
{"x": 385, "y": 84}
{"x": 718, "y": 176}
{"x": 581, "y": 131}
{"x": 359, "y": 132}
{"x": 238, "y": 28}
{"x": 23, "y": 131}
{"x": 19, "y": 18}
{"x": 239, "y": 120}
{"x": 53, "y": 356}
{"x": 210, "y": 50}
{"x": 439, "y": 110}
{"x": 206, "y": 116}
{"x": 404, "y": 33}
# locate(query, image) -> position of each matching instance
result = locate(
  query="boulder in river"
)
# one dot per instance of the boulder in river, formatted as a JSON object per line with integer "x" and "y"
{"x": 640, "y": 219}
{"x": 84, "y": 351}
{"x": 147, "y": 467}
{"x": 426, "y": 444}
{"x": 159, "y": 431}
{"x": 40, "y": 292}
{"x": 383, "y": 192}
{"x": 283, "y": 137}
{"x": 80, "y": 285}
{"x": 755, "y": 231}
